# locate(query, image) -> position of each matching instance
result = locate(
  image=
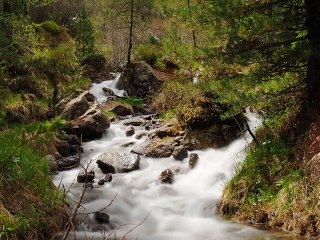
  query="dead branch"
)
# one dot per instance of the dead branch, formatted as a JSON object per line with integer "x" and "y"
{"x": 132, "y": 229}
{"x": 79, "y": 204}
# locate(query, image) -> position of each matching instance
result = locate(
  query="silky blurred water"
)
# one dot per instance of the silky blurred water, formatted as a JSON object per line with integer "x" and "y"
{"x": 185, "y": 210}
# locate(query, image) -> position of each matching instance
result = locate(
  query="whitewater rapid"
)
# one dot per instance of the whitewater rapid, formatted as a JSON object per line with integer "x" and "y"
{"x": 184, "y": 210}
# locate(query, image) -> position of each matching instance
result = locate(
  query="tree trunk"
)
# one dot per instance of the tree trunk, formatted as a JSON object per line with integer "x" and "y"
{"x": 130, "y": 34}
{"x": 193, "y": 32}
{"x": 313, "y": 72}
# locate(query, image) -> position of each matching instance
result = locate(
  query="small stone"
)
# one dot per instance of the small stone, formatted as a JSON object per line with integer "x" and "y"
{"x": 102, "y": 217}
{"x": 108, "y": 91}
{"x": 127, "y": 144}
{"x": 180, "y": 153}
{"x": 135, "y": 121}
{"x": 193, "y": 160}
{"x": 167, "y": 176}
{"x": 129, "y": 131}
{"x": 85, "y": 177}
{"x": 68, "y": 162}
{"x": 140, "y": 135}
{"x": 107, "y": 178}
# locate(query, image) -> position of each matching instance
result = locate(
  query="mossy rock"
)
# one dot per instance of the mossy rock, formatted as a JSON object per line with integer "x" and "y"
{"x": 52, "y": 34}
{"x": 201, "y": 112}
{"x": 117, "y": 108}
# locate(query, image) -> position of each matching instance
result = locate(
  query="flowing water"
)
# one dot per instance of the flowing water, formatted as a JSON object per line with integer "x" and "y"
{"x": 185, "y": 210}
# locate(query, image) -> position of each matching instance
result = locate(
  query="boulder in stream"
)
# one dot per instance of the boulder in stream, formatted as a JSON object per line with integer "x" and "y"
{"x": 107, "y": 178}
{"x": 83, "y": 114}
{"x": 140, "y": 79}
{"x": 129, "y": 131}
{"x": 85, "y": 177}
{"x": 108, "y": 92}
{"x": 69, "y": 162}
{"x": 102, "y": 217}
{"x": 120, "y": 109}
{"x": 179, "y": 153}
{"x": 167, "y": 176}
{"x": 193, "y": 160}
{"x": 135, "y": 121}
{"x": 156, "y": 147}
{"x": 118, "y": 162}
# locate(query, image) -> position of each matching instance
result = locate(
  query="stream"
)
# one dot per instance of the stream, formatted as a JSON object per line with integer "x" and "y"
{"x": 184, "y": 210}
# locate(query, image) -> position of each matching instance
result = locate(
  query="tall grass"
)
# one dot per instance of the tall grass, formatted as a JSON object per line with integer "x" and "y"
{"x": 29, "y": 202}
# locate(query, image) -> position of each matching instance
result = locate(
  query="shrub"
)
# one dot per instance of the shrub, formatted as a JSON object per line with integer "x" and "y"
{"x": 184, "y": 93}
{"x": 149, "y": 53}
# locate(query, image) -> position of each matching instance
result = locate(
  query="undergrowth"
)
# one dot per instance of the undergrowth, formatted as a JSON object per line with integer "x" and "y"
{"x": 30, "y": 206}
{"x": 272, "y": 185}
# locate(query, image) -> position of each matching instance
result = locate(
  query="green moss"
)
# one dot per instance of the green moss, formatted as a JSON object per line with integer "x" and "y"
{"x": 52, "y": 34}
{"x": 131, "y": 101}
{"x": 110, "y": 115}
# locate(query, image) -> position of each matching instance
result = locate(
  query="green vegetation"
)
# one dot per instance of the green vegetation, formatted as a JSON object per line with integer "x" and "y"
{"x": 131, "y": 101}
{"x": 29, "y": 202}
{"x": 259, "y": 54}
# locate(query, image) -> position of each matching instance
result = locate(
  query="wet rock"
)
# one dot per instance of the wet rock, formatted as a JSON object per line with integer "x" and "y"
{"x": 141, "y": 80}
{"x": 180, "y": 153}
{"x": 107, "y": 178}
{"x": 156, "y": 147}
{"x": 129, "y": 131}
{"x": 178, "y": 170}
{"x": 215, "y": 136}
{"x": 63, "y": 148}
{"x": 83, "y": 114}
{"x": 75, "y": 143}
{"x": 193, "y": 160}
{"x": 136, "y": 121}
{"x": 148, "y": 117}
{"x": 119, "y": 109}
{"x": 129, "y": 144}
{"x": 68, "y": 162}
{"x": 102, "y": 217}
{"x": 167, "y": 176}
{"x": 73, "y": 140}
{"x": 85, "y": 177}
{"x": 118, "y": 162}
{"x": 108, "y": 92}
{"x": 140, "y": 135}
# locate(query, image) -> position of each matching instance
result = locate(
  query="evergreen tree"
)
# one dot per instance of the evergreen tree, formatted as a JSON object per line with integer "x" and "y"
{"x": 85, "y": 36}
{"x": 268, "y": 39}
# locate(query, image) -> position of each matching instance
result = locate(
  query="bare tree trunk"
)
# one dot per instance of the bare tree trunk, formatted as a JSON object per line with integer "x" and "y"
{"x": 130, "y": 34}
{"x": 193, "y": 32}
{"x": 313, "y": 72}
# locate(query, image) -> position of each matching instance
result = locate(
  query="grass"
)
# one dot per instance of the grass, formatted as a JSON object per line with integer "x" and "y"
{"x": 30, "y": 206}
{"x": 273, "y": 180}
{"x": 131, "y": 101}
